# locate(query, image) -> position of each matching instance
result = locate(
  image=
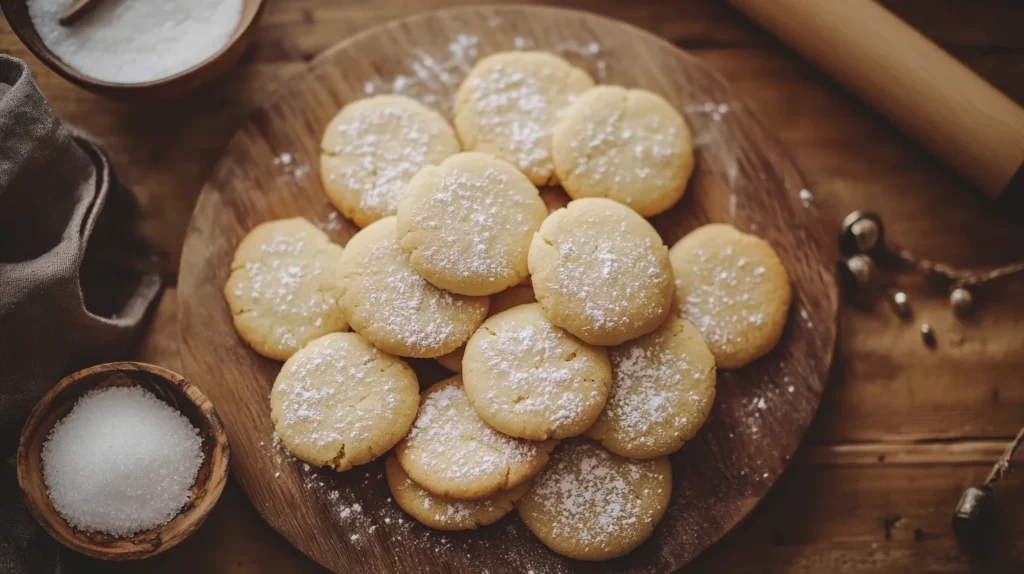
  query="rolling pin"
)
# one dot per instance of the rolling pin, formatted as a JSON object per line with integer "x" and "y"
{"x": 938, "y": 101}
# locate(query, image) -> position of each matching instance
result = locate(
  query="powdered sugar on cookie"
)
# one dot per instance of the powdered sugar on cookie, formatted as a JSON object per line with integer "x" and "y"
{"x": 508, "y": 104}
{"x": 373, "y": 148}
{"x": 591, "y": 504}
{"x": 450, "y": 451}
{"x": 528, "y": 378}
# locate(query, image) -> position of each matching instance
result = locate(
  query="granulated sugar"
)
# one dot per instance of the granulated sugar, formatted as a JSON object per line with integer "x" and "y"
{"x": 122, "y": 461}
{"x": 134, "y": 41}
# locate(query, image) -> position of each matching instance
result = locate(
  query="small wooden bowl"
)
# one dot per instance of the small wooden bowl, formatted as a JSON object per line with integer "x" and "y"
{"x": 169, "y": 387}
{"x": 16, "y": 12}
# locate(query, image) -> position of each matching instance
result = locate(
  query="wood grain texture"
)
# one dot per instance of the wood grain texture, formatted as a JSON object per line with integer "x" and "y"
{"x": 760, "y": 414}
{"x": 942, "y": 103}
{"x": 828, "y": 512}
{"x": 885, "y": 390}
{"x": 169, "y": 387}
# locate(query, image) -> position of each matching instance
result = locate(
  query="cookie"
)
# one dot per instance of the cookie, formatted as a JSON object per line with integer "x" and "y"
{"x": 451, "y": 452}
{"x": 510, "y": 101}
{"x": 733, "y": 287}
{"x": 467, "y": 223}
{"x": 590, "y": 504}
{"x": 628, "y": 145}
{"x": 373, "y": 147}
{"x": 441, "y": 512}
{"x": 340, "y": 402}
{"x": 282, "y": 290}
{"x": 530, "y": 379}
{"x": 511, "y": 297}
{"x": 663, "y": 386}
{"x": 601, "y": 272}
{"x": 387, "y": 302}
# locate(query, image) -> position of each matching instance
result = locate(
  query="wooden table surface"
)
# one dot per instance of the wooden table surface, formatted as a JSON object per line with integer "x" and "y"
{"x": 902, "y": 428}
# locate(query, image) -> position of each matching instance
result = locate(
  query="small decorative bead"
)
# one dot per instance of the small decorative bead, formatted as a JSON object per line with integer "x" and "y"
{"x": 862, "y": 268}
{"x": 901, "y": 303}
{"x": 865, "y": 232}
{"x": 928, "y": 335}
{"x": 962, "y": 301}
{"x": 861, "y": 233}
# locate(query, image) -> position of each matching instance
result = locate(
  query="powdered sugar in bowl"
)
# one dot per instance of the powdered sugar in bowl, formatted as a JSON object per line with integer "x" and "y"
{"x": 137, "y": 49}
{"x": 159, "y": 492}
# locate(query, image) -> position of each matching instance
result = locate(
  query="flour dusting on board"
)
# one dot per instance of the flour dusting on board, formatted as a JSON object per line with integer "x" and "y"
{"x": 432, "y": 77}
{"x": 291, "y": 166}
{"x": 355, "y": 508}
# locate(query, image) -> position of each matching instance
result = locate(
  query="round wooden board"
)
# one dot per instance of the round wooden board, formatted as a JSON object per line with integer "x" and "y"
{"x": 348, "y": 521}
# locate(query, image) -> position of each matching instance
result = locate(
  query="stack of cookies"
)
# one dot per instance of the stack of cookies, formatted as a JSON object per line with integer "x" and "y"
{"x": 587, "y": 350}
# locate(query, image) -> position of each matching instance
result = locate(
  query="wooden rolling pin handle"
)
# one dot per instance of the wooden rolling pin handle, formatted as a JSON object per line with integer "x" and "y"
{"x": 941, "y": 103}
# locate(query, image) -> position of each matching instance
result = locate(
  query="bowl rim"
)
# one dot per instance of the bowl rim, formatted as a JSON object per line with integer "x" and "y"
{"x": 195, "y": 512}
{"x": 47, "y": 56}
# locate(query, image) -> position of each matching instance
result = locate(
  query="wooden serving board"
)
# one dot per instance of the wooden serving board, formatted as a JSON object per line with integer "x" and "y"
{"x": 347, "y": 521}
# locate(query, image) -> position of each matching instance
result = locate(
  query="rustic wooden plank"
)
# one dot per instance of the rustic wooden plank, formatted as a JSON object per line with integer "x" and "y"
{"x": 878, "y": 519}
{"x": 165, "y": 151}
{"x": 159, "y": 343}
{"x": 819, "y": 518}
{"x": 234, "y": 540}
{"x": 850, "y": 159}
{"x": 938, "y": 454}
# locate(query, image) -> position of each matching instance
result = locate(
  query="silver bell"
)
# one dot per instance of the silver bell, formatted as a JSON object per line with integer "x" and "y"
{"x": 862, "y": 232}
{"x": 962, "y": 301}
{"x": 862, "y": 269}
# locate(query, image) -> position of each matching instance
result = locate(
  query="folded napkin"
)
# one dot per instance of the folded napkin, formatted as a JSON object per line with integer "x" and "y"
{"x": 75, "y": 279}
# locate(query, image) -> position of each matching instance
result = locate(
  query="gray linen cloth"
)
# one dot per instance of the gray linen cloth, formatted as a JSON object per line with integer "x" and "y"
{"x": 75, "y": 281}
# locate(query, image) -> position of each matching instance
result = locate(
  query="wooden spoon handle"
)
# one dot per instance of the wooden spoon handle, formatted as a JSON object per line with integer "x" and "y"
{"x": 940, "y": 102}
{"x": 75, "y": 10}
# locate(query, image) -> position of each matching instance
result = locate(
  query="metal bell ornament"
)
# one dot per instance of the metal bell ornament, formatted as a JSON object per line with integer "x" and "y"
{"x": 862, "y": 232}
{"x": 862, "y": 269}
{"x": 901, "y": 304}
{"x": 973, "y": 518}
{"x": 862, "y": 241}
{"x": 962, "y": 301}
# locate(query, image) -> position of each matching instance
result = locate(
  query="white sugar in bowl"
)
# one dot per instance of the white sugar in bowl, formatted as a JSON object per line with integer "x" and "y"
{"x": 113, "y": 78}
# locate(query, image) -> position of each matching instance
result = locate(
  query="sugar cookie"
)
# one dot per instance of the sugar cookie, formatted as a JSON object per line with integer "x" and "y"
{"x": 282, "y": 290}
{"x": 590, "y": 504}
{"x": 733, "y": 287}
{"x": 663, "y": 386}
{"x": 511, "y": 297}
{"x": 373, "y": 147}
{"x": 509, "y": 103}
{"x": 340, "y": 401}
{"x": 467, "y": 223}
{"x": 628, "y": 145}
{"x": 387, "y": 302}
{"x": 441, "y": 512}
{"x": 530, "y": 379}
{"x": 451, "y": 452}
{"x": 601, "y": 272}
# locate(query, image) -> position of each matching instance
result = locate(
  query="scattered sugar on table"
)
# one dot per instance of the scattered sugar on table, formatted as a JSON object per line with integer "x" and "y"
{"x": 121, "y": 462}
{"x": 137, "y": 41}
